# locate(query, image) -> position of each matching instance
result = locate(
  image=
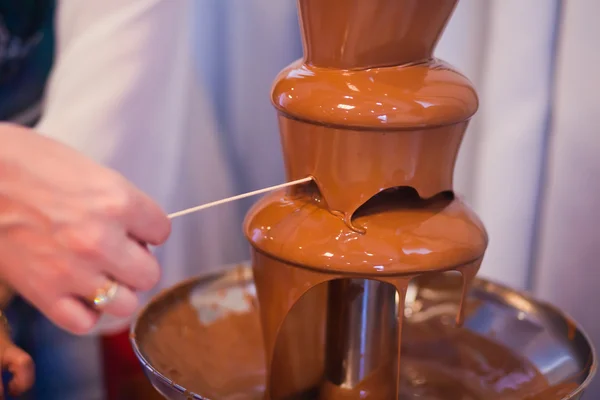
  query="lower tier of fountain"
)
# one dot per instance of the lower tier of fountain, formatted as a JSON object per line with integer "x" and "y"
{"x": 202, "y": 340}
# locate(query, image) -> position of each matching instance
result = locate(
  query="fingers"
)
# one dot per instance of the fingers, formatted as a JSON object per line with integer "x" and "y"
{"x": 110, "y": 250}
{"x": 134, "y": 266}
{"x": 145, "y": 220}
{"x": 85, "y": 256}
{"x": 60, "y": 292}
{"x": 74, "y": 313}
{"x": 48, "y": 292}
{"x": 21, "y": 366}
{"x": 123, "y": 304}
{"x": 142, "y": 217}
{"x": 71, "y": 314}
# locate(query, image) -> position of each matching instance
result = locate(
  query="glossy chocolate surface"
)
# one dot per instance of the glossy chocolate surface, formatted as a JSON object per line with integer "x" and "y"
{"x": 377, "y": 121}
{"x": 202, "y": 340}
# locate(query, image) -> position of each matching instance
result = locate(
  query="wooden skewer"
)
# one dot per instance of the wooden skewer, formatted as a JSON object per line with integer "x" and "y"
{"x": 238, "y": 197}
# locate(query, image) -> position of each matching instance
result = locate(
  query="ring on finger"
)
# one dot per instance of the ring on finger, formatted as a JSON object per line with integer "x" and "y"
{"x": 104, "y": 295}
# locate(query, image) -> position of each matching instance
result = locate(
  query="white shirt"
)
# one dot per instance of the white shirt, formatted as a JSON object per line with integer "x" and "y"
{"x": 124, "y": 92}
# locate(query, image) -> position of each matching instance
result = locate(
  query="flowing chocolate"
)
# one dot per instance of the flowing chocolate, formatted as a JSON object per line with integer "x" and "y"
{"x": 377, "y": 122}
{"x": 222, "y": 358}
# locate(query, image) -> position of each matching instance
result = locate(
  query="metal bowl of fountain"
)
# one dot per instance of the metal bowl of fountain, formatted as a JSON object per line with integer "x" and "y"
{"x": 203, "y": 337}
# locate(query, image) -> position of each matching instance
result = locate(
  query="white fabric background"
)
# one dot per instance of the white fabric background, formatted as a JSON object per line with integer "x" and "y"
{"x": 528, "y": 163}
{"x": 187, "y": 117}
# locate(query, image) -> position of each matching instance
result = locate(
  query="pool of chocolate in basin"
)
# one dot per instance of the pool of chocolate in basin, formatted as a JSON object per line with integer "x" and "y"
{"x": 221, "y": 357}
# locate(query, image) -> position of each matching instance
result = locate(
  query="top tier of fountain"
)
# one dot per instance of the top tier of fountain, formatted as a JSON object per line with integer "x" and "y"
{"x": 358, "y": 34}
{"x": 369, "y": 108}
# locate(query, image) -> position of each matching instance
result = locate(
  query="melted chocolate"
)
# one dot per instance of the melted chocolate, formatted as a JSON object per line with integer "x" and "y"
{"x": 223, "y": 359}
{"x": 377, "y": 121}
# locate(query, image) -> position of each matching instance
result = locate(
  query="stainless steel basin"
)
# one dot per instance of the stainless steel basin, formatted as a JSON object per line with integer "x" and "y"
{"x": 537, "y": 331}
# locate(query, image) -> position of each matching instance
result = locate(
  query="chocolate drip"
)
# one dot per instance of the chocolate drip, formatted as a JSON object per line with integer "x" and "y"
{"x": 377, "y": 122}
{"x": 222, "y": 358}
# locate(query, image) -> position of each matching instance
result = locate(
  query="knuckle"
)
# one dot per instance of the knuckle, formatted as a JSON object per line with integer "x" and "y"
{"x": 24, "y": 361}
{"x": 117, "y": 204}
{"x": 89, "y": 241}
{"x": 126, "y": 305}
{"x": 149, "y": 281}
{"x": 164, "y": 231}
{"x": 56, "y": 274}
{"x": 151, "y": 275}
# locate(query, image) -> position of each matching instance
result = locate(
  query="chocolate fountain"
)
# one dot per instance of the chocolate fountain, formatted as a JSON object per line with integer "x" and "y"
{"x": 362, "y": 283}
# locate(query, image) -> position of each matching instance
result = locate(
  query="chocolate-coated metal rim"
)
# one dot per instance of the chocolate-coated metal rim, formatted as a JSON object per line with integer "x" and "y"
{"x": 510, "y": 296}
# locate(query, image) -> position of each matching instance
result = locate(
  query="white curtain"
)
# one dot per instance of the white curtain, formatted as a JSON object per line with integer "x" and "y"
{"x": 194, "y": 107}
{"x": 529, "y": 162}
{"x": 529, "y": 165}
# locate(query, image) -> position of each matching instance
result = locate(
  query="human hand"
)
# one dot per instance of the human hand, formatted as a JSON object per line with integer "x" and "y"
{"x": 69, "y": 227}
{"x": 12, "y": 358}
{"x": 20, "y": 365}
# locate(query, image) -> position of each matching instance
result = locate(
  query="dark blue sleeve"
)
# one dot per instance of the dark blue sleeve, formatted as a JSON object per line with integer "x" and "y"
{"x": 26, "y": 53}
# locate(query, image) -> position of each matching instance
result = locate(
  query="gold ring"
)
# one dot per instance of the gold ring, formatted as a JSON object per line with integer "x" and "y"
{"x": 104, "y": 296}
